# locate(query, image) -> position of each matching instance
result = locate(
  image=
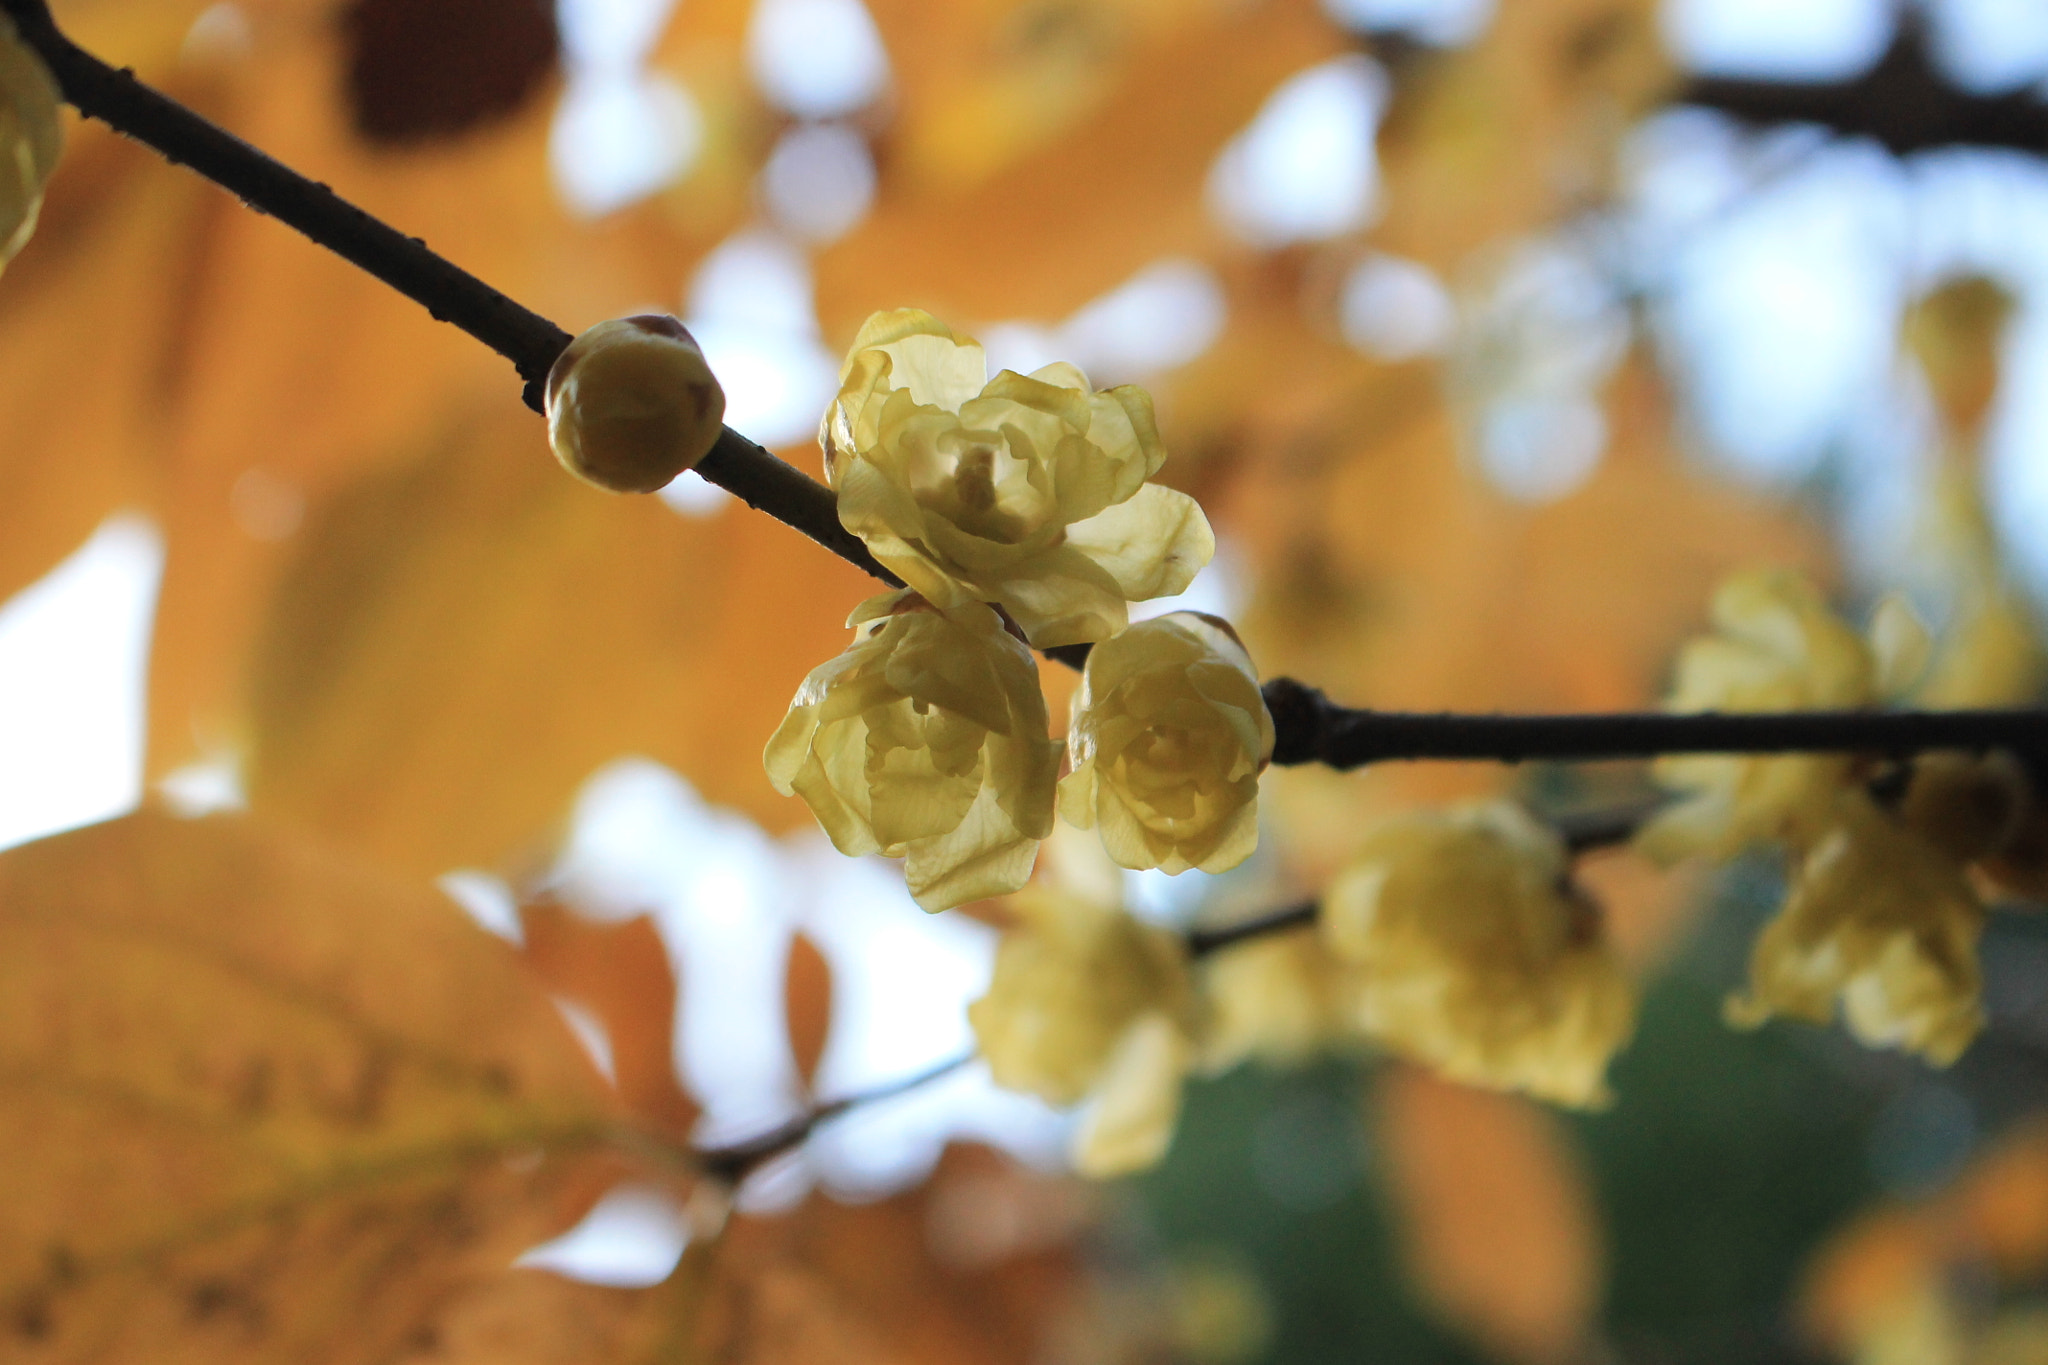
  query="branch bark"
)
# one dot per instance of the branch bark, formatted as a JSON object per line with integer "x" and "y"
{"x": 1313, "y": 729}
{"x": 1902, "y": 102}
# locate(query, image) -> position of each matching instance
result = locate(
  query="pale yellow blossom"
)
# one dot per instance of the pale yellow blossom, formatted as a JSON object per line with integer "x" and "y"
{"x": 926, "y": 740}
{"x": 1881, "y": 920}
{"x": 1091, "y": 1006}
{"x": 1778, "y": 647}
{"x": 1475, "y": 958}
{"x": 31, "y": 137}
{"x": 1278, "y": 999}
{"x": 1024, "y": 490}
{"x": 1168, "y": 737}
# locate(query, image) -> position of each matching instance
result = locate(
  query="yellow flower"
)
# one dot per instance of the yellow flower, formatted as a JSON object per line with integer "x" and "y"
{"x": 1028, "y": 491}
{"x": 1475, "y": 958}
{"x": 1278, "y": 999}
{"x": 31, "y": 138}
{"x": 1089, "y": 1004}
{"x": 1882, "y": 918}
{"x": 1779, "y": 648}
{"x": 925, "y": 739}
{"x": 631, "y": 404}
{"x": 1168, "y": 737}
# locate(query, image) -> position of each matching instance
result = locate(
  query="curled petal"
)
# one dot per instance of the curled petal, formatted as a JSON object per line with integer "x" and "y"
{"x": 1881, "y": 920}
{"x": 925, "y": 740}
{"x": 1168, "y": 737}
{"x": 1028, "y": 491}
{"x": 1130, "y": 1118}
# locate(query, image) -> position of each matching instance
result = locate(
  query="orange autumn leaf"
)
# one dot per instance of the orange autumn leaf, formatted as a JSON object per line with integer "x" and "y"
{"x": 620, "y": 972}
{"x": 263, "y": 1105}
{"x": 1498, "y": 1227}
{"x": 807, "y": 1005}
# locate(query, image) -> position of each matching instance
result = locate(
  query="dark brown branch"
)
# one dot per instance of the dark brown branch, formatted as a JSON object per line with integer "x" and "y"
{"x": 1591, "y": 830}
{"x": 1313, "y": 729}
{"x": 767, "y": 484}
{"x": 736, "y": 1162}
{"x": 1902, "y": 102}
{"x": 1202, "y": 942}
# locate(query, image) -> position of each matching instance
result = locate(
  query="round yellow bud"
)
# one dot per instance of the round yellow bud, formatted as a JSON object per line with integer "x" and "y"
{"x": 31, "y": 136}
{"x": 631, "y": 404}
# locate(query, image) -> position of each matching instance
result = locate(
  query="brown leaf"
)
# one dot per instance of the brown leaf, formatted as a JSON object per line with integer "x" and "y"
{"x": 807, "y": 1004}
{"x": 261, "y": 1106}
{"x": 620, "y": 972}
{"x": 854, "y": 1284}
{"x": 1499, "y": 1229}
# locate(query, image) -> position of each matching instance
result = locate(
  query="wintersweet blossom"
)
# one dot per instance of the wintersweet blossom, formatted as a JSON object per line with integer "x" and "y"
{"x": 1777, "y": 648}
{"x": 925, "y": 740}
{"x": 1024, "y": 490}
{"x": 1090, "y": 1004}
{"x": 1277, "y": 999}
{"x": 1168, "y": 737}
{"x": 1475, "y": 958}
{"x": 1882, "y": 919}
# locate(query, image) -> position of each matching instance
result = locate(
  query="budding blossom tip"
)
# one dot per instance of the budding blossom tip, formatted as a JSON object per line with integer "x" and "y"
{"x": 632, "y": 403}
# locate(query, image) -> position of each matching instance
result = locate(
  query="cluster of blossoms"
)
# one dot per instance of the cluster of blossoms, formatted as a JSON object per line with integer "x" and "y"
{"x": 1019, "y": 512}
{"x": 1885, "y": 907}
{"x": 1455, "y": 939}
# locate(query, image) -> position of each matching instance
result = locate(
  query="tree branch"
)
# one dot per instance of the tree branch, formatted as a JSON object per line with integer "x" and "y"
{"x": 1902, "y": 102}
{"x": 1313, "y": 729}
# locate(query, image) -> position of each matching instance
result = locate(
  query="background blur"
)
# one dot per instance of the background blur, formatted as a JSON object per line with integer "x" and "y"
{"x": 1490, "y": 337}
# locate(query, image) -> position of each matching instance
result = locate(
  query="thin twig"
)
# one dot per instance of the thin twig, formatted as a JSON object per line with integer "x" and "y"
{"x": 1202, "y": 942}
{"x": 734, "y": 1163}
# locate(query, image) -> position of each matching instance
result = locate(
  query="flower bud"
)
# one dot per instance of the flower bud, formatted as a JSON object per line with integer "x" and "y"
{"x": 31, "y": 137}
{"x": 925, "y": 740}
{"x": 1882, "y": 919}
{"x": 1168, "y": 737}
{"x": 1475, "y": 958}
{"x": 631, "y": 404}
